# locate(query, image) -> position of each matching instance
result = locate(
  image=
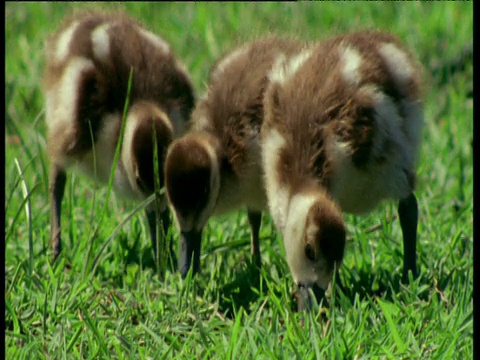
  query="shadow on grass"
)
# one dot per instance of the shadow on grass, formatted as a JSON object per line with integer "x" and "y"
{"x": 144, "y": 258}
{"x": 243, "y": 287}
{"x": 249, "y": 284}
{"x": 128, "y": 253}
{"x": 242, "y": 291}
{"x": 366, "y": 284}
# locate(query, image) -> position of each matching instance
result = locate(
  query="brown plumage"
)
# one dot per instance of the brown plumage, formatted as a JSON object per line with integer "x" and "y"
{"x": 88, "y": 64}
{"x": 216, "y": 167}
{"x": 341, "y": 133}
{"x": 318, "y": 96}
{"x": 234, "y": 99}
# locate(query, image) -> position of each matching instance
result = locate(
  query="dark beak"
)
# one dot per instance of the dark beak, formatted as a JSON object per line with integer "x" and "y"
{"x": 190, "y": 242}
{"x": 308, "y": 295}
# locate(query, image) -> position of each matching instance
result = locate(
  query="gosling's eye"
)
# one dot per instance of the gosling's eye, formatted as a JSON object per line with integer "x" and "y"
{"x": 310, "y": 252}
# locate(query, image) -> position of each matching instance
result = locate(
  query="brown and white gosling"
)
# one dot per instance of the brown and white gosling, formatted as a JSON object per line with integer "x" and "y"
{"x": 343, "y": 125}
{"x": 216, "y": 166}
{"x": 88, "y": 62}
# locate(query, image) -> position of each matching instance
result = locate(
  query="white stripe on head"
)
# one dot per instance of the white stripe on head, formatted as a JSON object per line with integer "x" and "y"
{"x": 131, "y": 124}
{"x": 155, "y": 40}
{"x": 294, "y": 238}
{"x": 351, "y": 64}
{"x": 295, "y": 231}
{"x": 227, "y": 60}
{"x": 277, "y": 194}
{"x": 284, "y": 69}
{"x": 127, "y": 158}
{"x": 397, "y": 62}
{"x": 101, "y": 42}
{"x": 63, "y": 42}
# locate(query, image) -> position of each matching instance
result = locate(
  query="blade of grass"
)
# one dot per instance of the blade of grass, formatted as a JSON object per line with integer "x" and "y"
{"x": 94, "y": 226}
{"x": 17, "y": 329}
{"x": 43, "y": 165}
{"x": 45, "y": 316}
{"x": 203, "y": 332}
{"x": 389, "y": 354}
{"x": 140, "y": 207}
{"x": 233, "y": 343}
{"x": 28, "y": 211}
{"x": 92, "y": 231}
{"x": 17, "y": 214}
{"x": 17, "y": 182}
{"x": 23, "y": 143}
{"x": 14, "y": 278}
{"x": 235, "y": 244}
{"x": 391, "y": 324}
{"x": 162, "y": 255}
{"x": 74, "y": 338}
{"x": 96, "y": 333}
{"x": 159, "y": 340}
{"x": 112, "y": 172}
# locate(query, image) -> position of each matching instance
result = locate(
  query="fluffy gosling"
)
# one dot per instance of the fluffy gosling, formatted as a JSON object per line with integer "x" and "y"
{"x": 342, "y": 129}
{"x": 216, "y": 166}
{"x": 88, "y": 62}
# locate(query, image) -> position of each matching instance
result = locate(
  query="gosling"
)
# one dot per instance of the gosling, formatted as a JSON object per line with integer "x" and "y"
{"x": 216, "y": 167}
{"x": 342, "y": 130}
{"x": 89, "y": 60}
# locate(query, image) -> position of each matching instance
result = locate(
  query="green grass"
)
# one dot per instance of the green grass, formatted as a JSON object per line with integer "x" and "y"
{"x": 120, "y": 308}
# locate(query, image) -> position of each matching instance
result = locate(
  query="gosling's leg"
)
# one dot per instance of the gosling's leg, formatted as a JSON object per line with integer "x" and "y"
{"x": 57, "y": 181}
{"x": 255, "y": 220}
{"x": 408, "y": 214}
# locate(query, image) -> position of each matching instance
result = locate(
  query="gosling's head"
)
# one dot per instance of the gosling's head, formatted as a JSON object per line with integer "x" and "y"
{"x": 146, "y": 126}
{"x": 192, "y": 179}
{"x": 314, "y": 237}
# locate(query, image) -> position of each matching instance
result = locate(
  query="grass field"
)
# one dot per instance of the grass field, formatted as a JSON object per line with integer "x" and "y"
{"x": 117, "y": 307}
